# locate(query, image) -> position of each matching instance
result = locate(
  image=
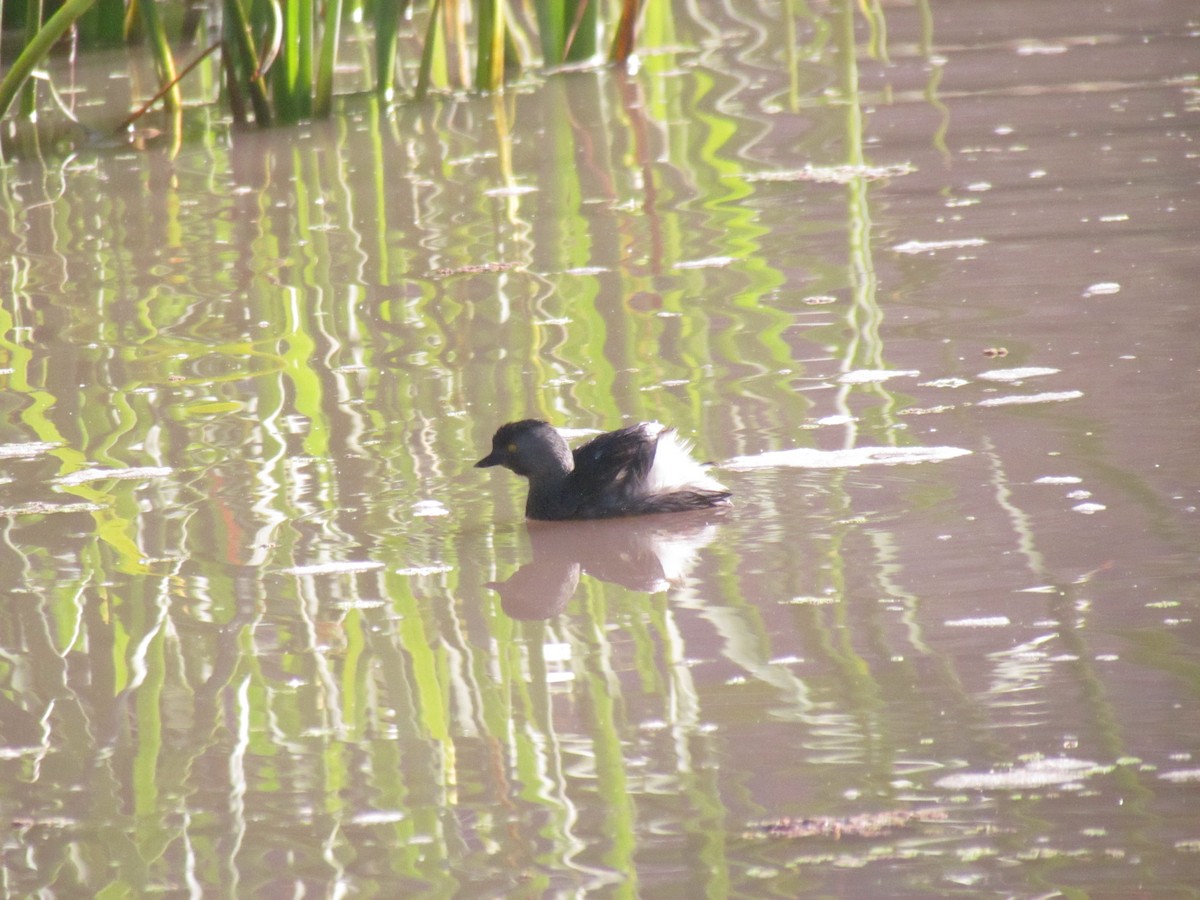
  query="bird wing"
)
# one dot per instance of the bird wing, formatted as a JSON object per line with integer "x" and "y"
{"x": 610, "y": 470}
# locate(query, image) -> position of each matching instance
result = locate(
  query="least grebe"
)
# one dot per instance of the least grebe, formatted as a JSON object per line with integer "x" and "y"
{"x": 639, "y": 470}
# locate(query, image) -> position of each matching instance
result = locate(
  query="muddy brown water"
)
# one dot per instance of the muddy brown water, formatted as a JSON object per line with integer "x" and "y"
{"x": 927, "y": 296}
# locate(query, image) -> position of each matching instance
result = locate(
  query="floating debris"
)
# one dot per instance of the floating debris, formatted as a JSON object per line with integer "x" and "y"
{"x": 1039, "y": 48}
{"x": 1034, "y": 774}
{"x": 809, "y": 601}
{"x": 39, "y": 508}
{"x": 361, "y": 604}
{"x": 979, "y": 622}
{"x": 874, "y": 376}
{"x": 425, "y": 570}
{"x": 510, "y": 190}
{"x": 1020, "y": 399}
{"x": 1018, "y": 374}
{"x": 996, "y": 351}
{"x": 1102, "y": 288}
{"x": 913, "y": 247}
{"x": 84, "y": 476}
{"x": 711, "y": 262}
{"x": 835, "y": 174}
{"x": 44, "y": 821}
{"x": 863, "y": 825}
{"x": 31, "y": 448}
{"x": 378, "y": 817}
{"x": 945, "y": 383}
{"x": 476, "y": 269}
{"x": 333, "y": 568}
{"x": 429, "y": 508}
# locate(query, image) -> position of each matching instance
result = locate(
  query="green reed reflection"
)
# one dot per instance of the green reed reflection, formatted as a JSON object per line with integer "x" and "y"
{"x": 282, "y": 664}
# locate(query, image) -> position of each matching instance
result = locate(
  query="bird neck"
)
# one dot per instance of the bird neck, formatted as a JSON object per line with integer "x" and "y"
{"x": 545, "y": 500}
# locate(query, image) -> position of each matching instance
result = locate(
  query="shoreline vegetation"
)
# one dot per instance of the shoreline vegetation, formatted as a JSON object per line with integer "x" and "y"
{"x": 278, "y": 58}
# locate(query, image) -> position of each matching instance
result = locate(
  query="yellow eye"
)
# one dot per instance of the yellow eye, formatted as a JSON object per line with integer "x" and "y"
{"x": 511, "y": 448}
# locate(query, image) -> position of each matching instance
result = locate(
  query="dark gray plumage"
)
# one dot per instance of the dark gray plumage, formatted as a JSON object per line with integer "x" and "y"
{"x": 639, "y": 470}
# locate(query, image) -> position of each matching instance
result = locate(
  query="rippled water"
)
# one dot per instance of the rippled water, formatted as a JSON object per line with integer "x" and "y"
{"x": 922, "y": 287}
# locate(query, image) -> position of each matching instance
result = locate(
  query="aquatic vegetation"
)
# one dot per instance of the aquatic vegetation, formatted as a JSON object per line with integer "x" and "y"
{"x": 279, "y": 57}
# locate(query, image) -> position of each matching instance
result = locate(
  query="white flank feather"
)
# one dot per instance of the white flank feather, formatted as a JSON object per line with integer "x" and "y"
{"x": 674, "y": 469}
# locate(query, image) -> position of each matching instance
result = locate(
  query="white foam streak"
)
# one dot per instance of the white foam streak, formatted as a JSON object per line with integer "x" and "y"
{"x": 807, "y": 458}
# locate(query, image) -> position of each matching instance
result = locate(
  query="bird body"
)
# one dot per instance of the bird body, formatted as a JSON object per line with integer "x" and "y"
{"x": 639, "y": 470}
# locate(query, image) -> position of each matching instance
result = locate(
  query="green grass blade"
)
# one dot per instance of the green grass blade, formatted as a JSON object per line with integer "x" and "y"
{"x": 37, "y": 48}
{"x": 305, "y": 65}
{"x": 323, "y": 102}
{"x": 243, "y": 62}
{"x": 290, "y": 90}
{"x": 581, "y": 40}
{"x": 429, "y": 49}
{"x": 164, "y": 61}
{"x": 34, "y": 13}
{"x": 552, "y": 30}
{"x": 388, "y": 17}
{"x": 489, "y": 69}
{"x": 103, "y": 25}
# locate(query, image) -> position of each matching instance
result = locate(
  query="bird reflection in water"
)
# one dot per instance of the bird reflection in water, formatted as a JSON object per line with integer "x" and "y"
{"x": 648, "y": 553}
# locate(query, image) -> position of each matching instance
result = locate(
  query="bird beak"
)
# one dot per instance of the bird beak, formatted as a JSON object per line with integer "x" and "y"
{"x": 492, "y": 459}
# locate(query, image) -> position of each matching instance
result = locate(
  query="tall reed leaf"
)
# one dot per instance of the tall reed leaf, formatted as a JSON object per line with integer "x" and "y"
{"x": 323, "y": 103}
{"x": 552, "y": 29}
{"x": 242, "y": 67}
{"x": 388, "y": 17}
{"x": 489, "y": 69}
{"x": 160, "y": 47}
{"x": 622, "y": 45}
{"x": 429, "y": 49}
{"x": 581, "y": 39}
{"x": 37, "y": 48}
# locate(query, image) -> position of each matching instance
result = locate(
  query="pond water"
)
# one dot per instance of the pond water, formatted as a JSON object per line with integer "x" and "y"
{"x": 924, "y": 288}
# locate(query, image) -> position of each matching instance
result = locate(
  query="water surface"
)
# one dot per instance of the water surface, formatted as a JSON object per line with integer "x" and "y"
{"x": 922, "y": 286}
